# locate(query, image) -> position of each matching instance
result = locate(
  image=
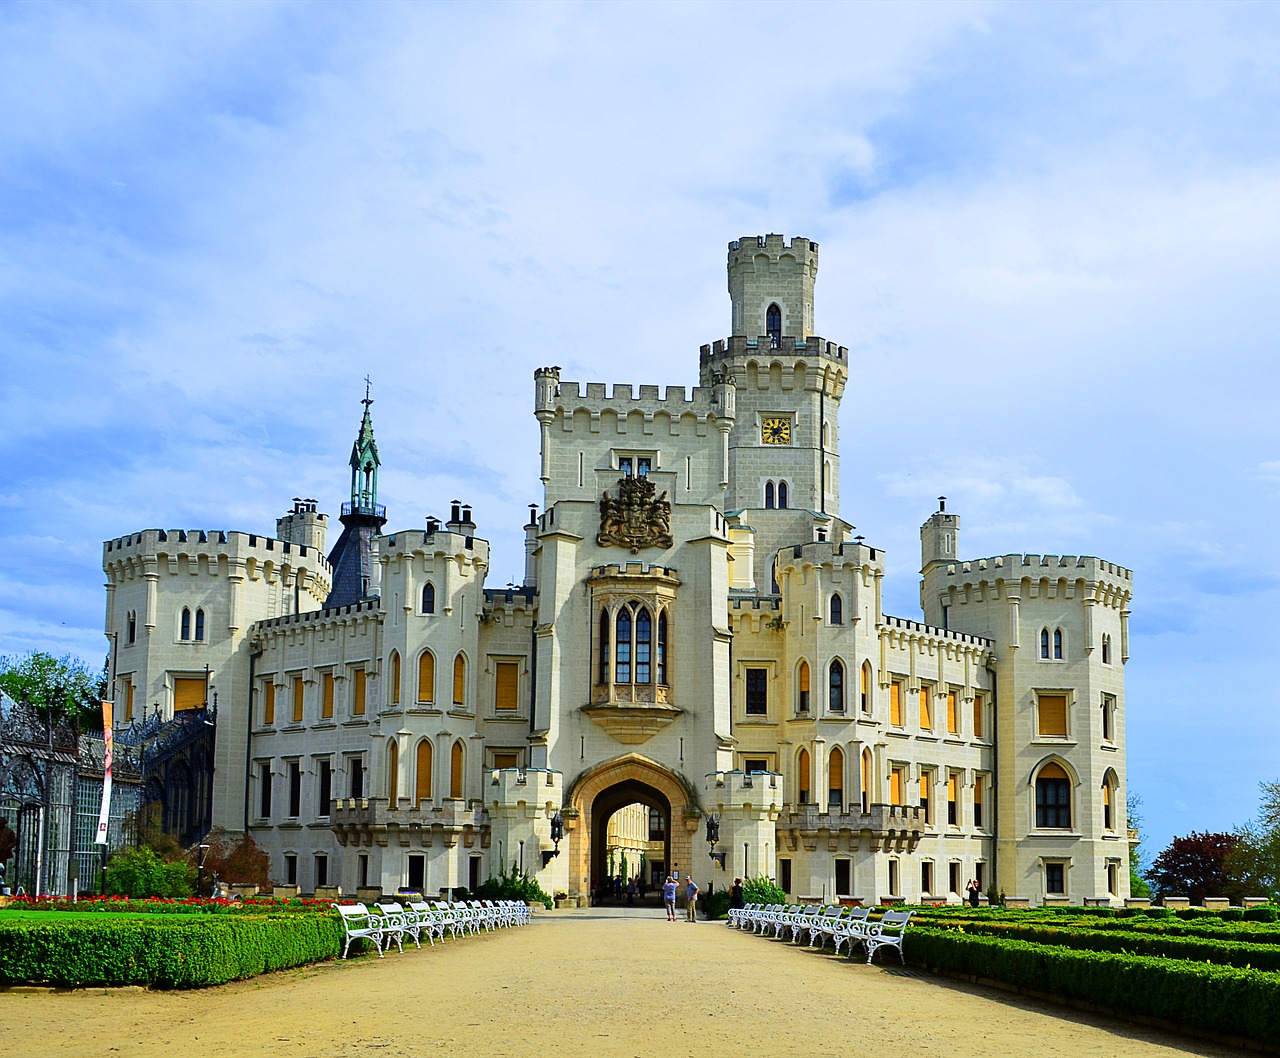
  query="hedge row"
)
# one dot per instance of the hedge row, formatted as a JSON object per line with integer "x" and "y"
{"x": 1130, "y": 942}
{"x": 1239, "y": 933}
{"x": 165, "y": 952}
{"x": 1221, "y": 1000}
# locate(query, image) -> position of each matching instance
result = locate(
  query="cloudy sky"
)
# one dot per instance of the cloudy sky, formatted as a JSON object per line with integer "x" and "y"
{"x": 1050, "y": 238}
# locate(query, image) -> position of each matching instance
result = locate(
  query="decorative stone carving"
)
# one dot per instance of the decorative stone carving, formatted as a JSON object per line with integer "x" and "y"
{"x": 635, "y": 518}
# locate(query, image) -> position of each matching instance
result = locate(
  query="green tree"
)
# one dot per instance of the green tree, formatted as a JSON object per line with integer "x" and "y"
{"x": 62, "y": 688}
{"x": 1137, "y": 884}
{"x": 1194, "y": 866}
{"x": 140, "y": 873}
{"x": 1254, "y": 860}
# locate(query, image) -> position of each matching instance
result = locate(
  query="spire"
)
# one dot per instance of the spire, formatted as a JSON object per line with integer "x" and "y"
{"x": 365, "y": 463}
{"x": 353, "y": 557}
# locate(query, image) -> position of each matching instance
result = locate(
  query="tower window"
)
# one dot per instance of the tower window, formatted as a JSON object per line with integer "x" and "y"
{"x": 837, "y": 610}
{"x": 835, "y": 687}
{"x": 662, "y": 648}
{"x": 132, "y": 636}
{"x": 200, "y": 625}
{"x": 802, "y": 706}
{"x": 768, "y": 494}
{"x": 185, "y": 630}
{"x": 1053, "y": 798}
{"x": 1057, "y": 644}
{"x": 757, "y": 692}
{"x": 773, "y": 325}
{"x": 1044, "y": 643}
{"x": 1106, "y": 649}
{"x": 782, "y": 494}
{"x": 428, "y": 598}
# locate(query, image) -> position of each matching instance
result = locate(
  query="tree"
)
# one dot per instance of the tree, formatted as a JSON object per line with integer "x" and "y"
{"x": 62, "y": 688}
{"x": 1137, "y": 884}
{"x": 1254, "y": 861}
{"x": 1194, "y": 866}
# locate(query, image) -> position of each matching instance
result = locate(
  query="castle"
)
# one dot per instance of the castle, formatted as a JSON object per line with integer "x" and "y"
{"x": 697, "y": 634}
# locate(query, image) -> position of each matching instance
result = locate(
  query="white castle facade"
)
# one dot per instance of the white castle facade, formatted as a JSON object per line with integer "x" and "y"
{"x": 697, "y": 634}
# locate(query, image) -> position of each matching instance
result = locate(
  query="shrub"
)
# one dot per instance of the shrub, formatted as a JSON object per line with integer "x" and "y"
{"x": 513, "y": 886}
{"x": 762, "y": 890}
{"x": 140, "y": 872}
{"x": 716, "y": 905}
{"x": 236, "y": 859}
{"x": 1261, "y": 914}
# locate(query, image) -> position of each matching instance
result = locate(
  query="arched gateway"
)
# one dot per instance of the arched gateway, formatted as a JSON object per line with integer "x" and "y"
{"x": 631, "y": 779}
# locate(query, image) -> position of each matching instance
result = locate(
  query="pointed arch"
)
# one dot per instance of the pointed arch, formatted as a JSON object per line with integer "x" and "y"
{"x": 802, "y": 680}
{"x": 1053, "y": 796}
{"x": 422, "y": 771}
{"x": 773, "y": 325}
{"x": 644, "y": 645}
{"x": 782, "y": 495}
{"x": 1110, "y": 800}
{"x": 460, "y": 679}
{"x": 835, "y": 779}
{"x": 864, "y": 690}
{"x": 835, "y": 686}
{"x": 622, "y": 648}
{"x": 768, "y": 494}
{"x": 1044, "y": 643}
{"x": 426, "y": 677}
{"x": 457, "y": 758}
{"x": 200, "y": 625}
{"x": 428, "y": 598}
{"x": 837, "y": 609}
{"x": 395, "y": 677}
{"x": 1057, "y": 644}
{"x": 185, "y": 629}
{"x": 393, "y": 772}
{"x": 605, "y": 640}
{"x": 804, "y": 776}
{"x": 662, "y": 647}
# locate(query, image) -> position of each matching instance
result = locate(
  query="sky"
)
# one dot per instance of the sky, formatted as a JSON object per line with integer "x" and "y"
{"x": 1050, "y": 238}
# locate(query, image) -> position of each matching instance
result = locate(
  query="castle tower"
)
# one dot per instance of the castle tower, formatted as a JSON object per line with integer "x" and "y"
{"x": 352, "y": 558}
{"x": 784, "y": 463}
{"x": 303, "y": 525}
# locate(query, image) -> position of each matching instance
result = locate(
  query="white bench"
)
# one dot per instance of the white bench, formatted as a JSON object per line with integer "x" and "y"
{"x": 889, "y": 932}
{"x": 849, "y": 929}
{"x": 395, "y": 924}
{"x": 358, "y": 923}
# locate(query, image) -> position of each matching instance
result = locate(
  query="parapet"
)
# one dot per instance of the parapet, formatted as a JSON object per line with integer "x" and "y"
{"x": 213, "y": 543}
{"x": 831, "y": 553}
{"x": 927, "y": 631}
{"x": 750, "y": 246}
{"x": 530, "y": 785}
{"x": 766, "y": 349}
{"x": 1037, "y": 567}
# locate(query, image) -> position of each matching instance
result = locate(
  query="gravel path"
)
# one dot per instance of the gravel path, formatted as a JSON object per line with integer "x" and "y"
{"x": 597, "y": 983}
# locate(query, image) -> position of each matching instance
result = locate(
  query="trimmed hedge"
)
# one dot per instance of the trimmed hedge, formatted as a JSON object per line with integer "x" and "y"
{"x": 1221, "y": 1000}
{"x": 166, "y": 951}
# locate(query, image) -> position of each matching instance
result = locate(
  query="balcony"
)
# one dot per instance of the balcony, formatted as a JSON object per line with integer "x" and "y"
{"x": 892, "y": 827}
{"x": 372, "y": 821}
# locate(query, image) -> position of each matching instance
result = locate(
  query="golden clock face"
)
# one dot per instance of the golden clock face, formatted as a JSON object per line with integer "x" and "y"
{"x": 775, "y": 432}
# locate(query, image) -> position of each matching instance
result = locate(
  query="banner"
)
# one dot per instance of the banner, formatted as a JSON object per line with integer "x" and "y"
{"x": 104, "y": 816}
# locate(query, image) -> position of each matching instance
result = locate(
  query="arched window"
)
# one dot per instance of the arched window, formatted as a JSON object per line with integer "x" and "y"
{"x": 1110, "y": 800}
{"x": 837, "y": 609}
{"x": 768, "y": 494}
{"x": 866, "y": 780}
{"x": 455, "y": 769}
{"x": 459, "y": 679}
{"x": 427, "y": 677}
{"x": 1106, "y": 649}
{"x": 604, "y": 647}
{"x": 200, "y": 625}
{"x": 782, "y": 494}
{"x": 835, "y": 779}
{"x": 773, "y": 325}
{"x": 662, "y": 648}
{"x": 1053, "y": 797}
{"x": 185, "y": 631}
{"x": 644, "y": 645}
{"x": 622, "y": 651}
{"x": 428, "y": 598}
{"x": 802, "y": 767}
{"x": 395, "y": 677}
{"x": 132, "y": 636}
{"x": 422, "y": 772}
{"x": 865, "y": 693}
{"x": 393, "y": 771}
{"x": 1044, "y": 643}
{"x": 802, "y": 706}
{"x": 1057, "y": 644}
{"x": 835, "y": 686}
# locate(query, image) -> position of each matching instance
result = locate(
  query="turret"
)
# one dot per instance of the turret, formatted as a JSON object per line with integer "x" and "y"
{"x": 303, "y": 525}
{"x": 939, "y": 537}
{"x": 353, "y": 558}
{"x": 771, "y": 286}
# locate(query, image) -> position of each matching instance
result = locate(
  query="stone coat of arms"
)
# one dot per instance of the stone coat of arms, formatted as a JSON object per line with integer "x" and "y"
{"x": 635, "y": 518}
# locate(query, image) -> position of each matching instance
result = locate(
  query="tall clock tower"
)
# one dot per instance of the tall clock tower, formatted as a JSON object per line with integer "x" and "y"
{"x": 784, "y": 447}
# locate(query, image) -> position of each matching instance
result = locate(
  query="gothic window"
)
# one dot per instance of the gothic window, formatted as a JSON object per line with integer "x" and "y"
{"x": 768, "y": 494}
{"x": 644, "y": 645}
{"x": 835, "y": 779}
{"x": 802, "y": 767}
{"x": 1057, "y": 644}
{"x": 622, "y": 653}
{"x": 757, "y": 692}
{"x": 837, "y": 609}
{"x": 185, "y": 630}
{"x": 1108, "y": 802}
{"x": 866, "y": 780}
{"x": 459, "y": 679}
{"x": 782, "y": 495}
{"x": 802, "y": 706}
{"x": 835, "y": 687}
{"x": 865, "y": 694}
{"x": 200, "y": 625}
{"x": 428, "y": 598}
{"x": 427, "y": 677}
{"x": 773, "y": 325}
{"x": 1053, "y": 798}
{"x": 604, "y": 647}
{"x": 455, "y": 770}
{"x": 422, "y": 772}
{"x": 662, "y": 648}
{"x": 1044, "y": 643}
{"x": 132, "y": 635}
{"x": 1106, "y": 649}
{"x": 393, "y": 771}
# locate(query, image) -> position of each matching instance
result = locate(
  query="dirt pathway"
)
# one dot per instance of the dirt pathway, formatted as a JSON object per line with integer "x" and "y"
{"x": 598, "y": 983}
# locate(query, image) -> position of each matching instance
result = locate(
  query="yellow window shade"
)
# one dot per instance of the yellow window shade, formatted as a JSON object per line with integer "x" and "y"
{"x": 357, "y": 700}
{"x": 952, "y": 725}
{"x": 977, "y": 791}
{"x": 951, "y": 788}
{"x": 427, "y": 677}
{"x": 1053, "y": 714}
{"x": 188, "y": 694}
{"x": 507, "y": 685}
{"x": 126, "y": 694}
{"x": 297, "y": 699}
{"x": 895, "y": 704}
{"x": 866, "y": 773}
{"x": 804, "y": 677}
{"x": 455, "y": 771}
{"x": 422, "y": 781}
{"x": 506, "y": 760}
{"x": 803, "y": 764}
{"x": 395, "y": 678}
{"x": 895, "y": 786}
{"x": 1053, "y": 771}
{"x": 459, "y": 680}
{"x": 326, "y": 708}
{"x": 926, "y": 780}
{"x": 926, "y": 713}
{"x": 978, "y": 705}
{"x": 269, "y": 701}
{"x": 393, "y": 771}
{"x": 835, "y": 770}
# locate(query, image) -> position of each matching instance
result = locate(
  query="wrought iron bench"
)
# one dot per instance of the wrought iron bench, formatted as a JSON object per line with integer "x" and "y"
{"x": 889, "y": 932}
{"x": 358, "y": 923}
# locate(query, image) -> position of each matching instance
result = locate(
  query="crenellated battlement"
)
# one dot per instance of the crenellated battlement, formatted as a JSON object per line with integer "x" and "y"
{"x": 213, "y": 543}
{"x": 755, "y": 602}
{"x": 773, "y": 245}
{"x": 1039, "y": 566}
{"x": 439, "y": 542}
{"x": 535, "y": 786}
{"x": 768, "y": 349}
{"x": 634, "y": 569}
{"x": 932, "y": 632}
{"x": 845, "y": 553}
{"x": 336, "y": 614}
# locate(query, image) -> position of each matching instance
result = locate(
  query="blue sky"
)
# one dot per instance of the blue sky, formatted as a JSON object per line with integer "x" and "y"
{"x": 1050, "y": 237}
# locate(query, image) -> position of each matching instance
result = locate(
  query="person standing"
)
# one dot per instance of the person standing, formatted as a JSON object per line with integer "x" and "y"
{"x": 974, "y": 892}
{"x": 691, "y": 898}
{"x": 736, "y": 899}
{"x": 669, "y": 897}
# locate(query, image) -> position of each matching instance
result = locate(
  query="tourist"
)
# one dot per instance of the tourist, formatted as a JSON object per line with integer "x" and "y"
{"x": 669, "y": 897}
{"x": 974, "y": 891}
{"x": 735, "y": 894}
{"x": 631, "y": 891}
{"x": 691, "y": 898}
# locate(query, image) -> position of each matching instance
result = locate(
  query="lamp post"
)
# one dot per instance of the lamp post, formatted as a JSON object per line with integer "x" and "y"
{"x": 557, "y": 835}
{"x": 713, "y": 837}
{"x": 746, "y": 845}
{"x": 522, "y": 859}
{"x": 202, "y": 848}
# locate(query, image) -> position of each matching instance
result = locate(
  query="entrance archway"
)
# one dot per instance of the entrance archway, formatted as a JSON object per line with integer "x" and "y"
{"x": 625, "y": 794}
{"x": 631, "y": 779}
